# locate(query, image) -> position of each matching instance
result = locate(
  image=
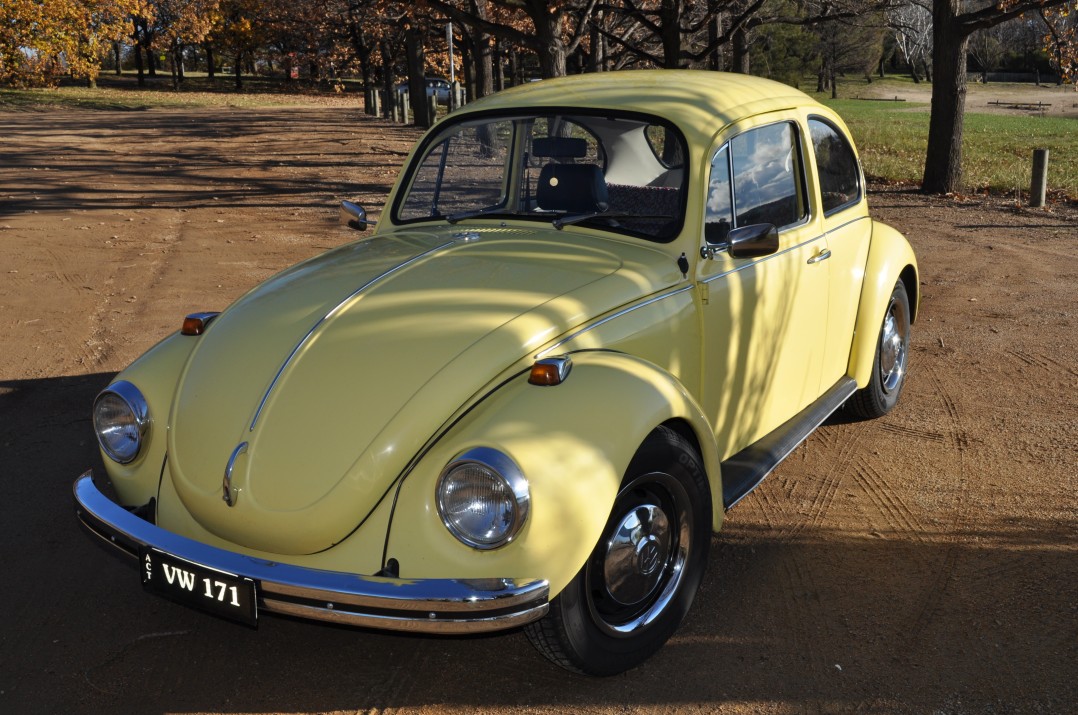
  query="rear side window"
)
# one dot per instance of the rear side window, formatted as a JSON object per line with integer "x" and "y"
{"x": 840, "y": 176}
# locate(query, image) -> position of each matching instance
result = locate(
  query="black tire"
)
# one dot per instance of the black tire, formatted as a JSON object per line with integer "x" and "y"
{"x": 890, "y": 362}
{"x": 655, "y": 546}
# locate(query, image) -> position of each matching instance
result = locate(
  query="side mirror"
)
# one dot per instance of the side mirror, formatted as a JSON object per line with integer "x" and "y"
{"x": 758, "y": 239}
{"x": 354, "y": 216}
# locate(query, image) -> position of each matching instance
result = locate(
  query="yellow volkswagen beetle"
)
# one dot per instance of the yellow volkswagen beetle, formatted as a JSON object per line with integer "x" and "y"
{"x": 597, "y": 312}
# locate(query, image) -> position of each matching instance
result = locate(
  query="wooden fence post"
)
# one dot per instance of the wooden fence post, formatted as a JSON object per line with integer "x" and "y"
{"x": 1039, "y": 184}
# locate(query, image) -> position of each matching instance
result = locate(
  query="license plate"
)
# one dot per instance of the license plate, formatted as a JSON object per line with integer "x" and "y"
{"x": 202, "y": 587}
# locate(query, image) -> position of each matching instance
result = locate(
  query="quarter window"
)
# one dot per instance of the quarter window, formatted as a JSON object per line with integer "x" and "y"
{"x": 840, "y": 176}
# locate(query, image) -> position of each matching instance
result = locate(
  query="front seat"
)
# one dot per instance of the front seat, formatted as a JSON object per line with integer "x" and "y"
{"x": 572, "y": 188}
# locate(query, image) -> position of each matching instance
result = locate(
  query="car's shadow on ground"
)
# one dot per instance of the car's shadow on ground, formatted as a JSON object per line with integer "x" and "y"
{"x": 82, "y": 618}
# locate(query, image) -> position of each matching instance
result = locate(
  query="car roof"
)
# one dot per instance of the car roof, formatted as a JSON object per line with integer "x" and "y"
{"x": 698, "y": 101}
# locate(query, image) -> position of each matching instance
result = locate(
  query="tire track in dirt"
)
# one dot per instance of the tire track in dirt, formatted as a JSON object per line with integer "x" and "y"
{"x": 1041, "y": 361}
{"x": 888, "y": 501}
{"x": 903, "y": 431}
{"x": 928, "y": 605}
{"x": 103, "y": 339}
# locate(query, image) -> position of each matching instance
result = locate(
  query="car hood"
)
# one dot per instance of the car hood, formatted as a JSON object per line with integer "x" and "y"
{"x": 316, "y": 389}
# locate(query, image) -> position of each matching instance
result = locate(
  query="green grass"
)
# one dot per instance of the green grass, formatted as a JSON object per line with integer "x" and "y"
{"x": 997, "y": 149}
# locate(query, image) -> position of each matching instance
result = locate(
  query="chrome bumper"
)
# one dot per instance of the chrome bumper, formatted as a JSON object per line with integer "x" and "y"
{"x": 414, "y": 605}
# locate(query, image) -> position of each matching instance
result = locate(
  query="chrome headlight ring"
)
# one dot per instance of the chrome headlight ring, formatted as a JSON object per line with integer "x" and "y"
{"x": 121, "y": 421}
{"x": 483, "y": 498}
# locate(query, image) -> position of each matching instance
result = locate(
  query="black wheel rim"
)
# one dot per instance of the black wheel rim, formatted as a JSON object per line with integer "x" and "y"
{"x": 639, "y": 565}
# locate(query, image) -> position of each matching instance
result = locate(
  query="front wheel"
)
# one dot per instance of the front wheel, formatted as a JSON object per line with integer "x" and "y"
{"x": 890, "y": 361}
{"x": 640, "y": 580}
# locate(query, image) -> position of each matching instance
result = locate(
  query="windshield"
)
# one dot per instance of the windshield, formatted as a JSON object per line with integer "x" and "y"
{"x": 617, "y": 172}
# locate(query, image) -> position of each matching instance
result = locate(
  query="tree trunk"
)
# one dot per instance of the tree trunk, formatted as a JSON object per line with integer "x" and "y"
{"x": 483, "y": 55}
{"x": 552, "y": 54}
{"x": 670, "y": 23}
{"x": 117, "y": 53}
{"x": 238, "y": 69}
{"x": 714, "y": 32}
{"x": 136, "y": 35}
{"x": 514, "y": 66}
{"x": 943, "y": 162}
{"x": 499, "y": 66}
{"x": 597, "y": 43}
{"x": 741, "y": 52}
{"x": 173, "y": 67}
{"x": 210, "y": 69}
{"x": 387, "y": 78}
{"x": 467, "y": 61}
{"x": 417, "y": 88}
{"x": 151, "y": 61}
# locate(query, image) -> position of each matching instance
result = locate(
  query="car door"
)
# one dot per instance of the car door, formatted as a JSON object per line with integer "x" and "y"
{"x": 847, "y": 229}
{"x": 764, "y": 319}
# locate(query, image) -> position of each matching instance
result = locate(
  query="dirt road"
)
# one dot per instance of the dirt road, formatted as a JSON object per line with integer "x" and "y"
{"x": 923, "y": 563}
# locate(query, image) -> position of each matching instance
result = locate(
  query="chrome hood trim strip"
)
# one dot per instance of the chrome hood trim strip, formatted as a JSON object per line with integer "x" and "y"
{"x": 336, "y": 309}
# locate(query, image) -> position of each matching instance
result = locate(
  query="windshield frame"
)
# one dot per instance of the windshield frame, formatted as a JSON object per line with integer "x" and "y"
{"x": 438, "y": 134}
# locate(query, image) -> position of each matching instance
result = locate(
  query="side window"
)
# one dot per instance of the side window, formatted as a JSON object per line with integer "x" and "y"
{"x": 840, "y": 177}
{"x": 767, "y": 176}
{"x": 719, "y": 217}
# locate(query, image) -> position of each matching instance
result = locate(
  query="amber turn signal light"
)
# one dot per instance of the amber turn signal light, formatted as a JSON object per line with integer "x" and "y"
{"x": 550, "y": 371}
{"x": 196, "y": 323}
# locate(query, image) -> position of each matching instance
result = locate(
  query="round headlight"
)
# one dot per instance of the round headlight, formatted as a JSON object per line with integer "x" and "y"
{"x": 483, "y": 498}
{"x": 121, "y": 420}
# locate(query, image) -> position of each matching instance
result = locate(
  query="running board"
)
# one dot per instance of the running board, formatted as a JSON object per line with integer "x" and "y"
{"x": 744, "y": 471}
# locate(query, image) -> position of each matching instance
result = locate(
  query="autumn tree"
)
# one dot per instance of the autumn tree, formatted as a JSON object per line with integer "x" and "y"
{"x": 953, "y": 22}
{"x": 180, "y": 23}
{"x": 1061, "y": 39}
{"x": 238, "y": 28}
{"x": 39, "y": 37}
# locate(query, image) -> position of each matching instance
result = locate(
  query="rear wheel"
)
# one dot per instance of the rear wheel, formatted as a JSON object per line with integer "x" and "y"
{"x": 640, "y": 580}
{"x": 890, "y": 362}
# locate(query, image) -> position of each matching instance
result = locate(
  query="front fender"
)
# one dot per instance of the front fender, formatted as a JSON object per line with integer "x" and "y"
{"x": 573, "y": 443}
{"x": 890, "y": 257}
{"x": 155, "y": 375}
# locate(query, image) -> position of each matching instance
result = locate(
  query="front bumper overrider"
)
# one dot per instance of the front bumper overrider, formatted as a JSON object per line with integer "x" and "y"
{"x": 446, "y": 606}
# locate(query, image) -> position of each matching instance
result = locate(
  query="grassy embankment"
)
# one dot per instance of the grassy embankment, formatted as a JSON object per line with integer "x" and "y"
{"x": 891, "y": 136}
{"x": 997, "y": 150}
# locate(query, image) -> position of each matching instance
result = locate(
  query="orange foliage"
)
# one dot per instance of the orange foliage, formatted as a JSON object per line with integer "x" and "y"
{"x": 40, "y": 39}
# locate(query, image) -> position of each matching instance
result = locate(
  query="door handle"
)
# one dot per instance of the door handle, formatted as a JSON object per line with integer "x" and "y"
{"x": 821, "y": 256}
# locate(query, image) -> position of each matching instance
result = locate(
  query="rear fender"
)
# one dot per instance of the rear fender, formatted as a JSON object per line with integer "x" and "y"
{"x": 573, "y": 443}
{"x": 890, "y": 257}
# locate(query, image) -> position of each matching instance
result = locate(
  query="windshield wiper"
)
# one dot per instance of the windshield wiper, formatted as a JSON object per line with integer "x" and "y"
{"x": 454, "y": 218}
{"x": 563, "y": 221}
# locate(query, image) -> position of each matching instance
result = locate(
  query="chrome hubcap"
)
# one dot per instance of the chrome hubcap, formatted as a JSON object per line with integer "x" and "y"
{"x": 639, "y": 547}
{"x": 894, "y": 346}
{"x": 637, "y": 571}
